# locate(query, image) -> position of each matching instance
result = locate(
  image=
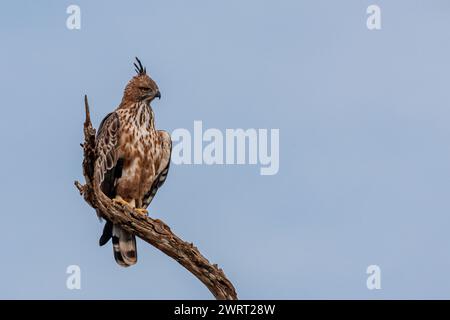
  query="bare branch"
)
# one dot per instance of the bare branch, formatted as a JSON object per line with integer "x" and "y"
{"x": 153, "y": 231}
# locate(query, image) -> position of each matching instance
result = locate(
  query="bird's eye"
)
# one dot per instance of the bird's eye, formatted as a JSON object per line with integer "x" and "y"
{"x": 144, "y": 88}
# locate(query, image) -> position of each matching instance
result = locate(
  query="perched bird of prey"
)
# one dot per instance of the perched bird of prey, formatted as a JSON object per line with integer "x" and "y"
{"x": 132, "y": 158}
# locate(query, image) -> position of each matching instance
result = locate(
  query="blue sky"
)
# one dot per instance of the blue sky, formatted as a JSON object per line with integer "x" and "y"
{"x": 363, "y": 115}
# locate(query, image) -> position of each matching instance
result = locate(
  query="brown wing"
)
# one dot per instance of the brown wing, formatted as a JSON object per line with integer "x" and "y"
{"x": 163, "y": 170}
{"x": 106, "y": 151}
{"x": 107, "y": 167}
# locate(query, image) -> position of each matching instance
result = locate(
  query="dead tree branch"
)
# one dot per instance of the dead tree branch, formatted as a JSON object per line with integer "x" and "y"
{"x": 153, "y": 231}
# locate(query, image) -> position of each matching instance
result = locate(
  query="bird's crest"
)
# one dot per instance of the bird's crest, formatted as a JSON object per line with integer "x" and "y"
{"x": 140, "y": 70}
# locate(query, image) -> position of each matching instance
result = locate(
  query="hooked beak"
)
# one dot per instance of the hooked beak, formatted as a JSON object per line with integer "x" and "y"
{"x": 158, "y": 95}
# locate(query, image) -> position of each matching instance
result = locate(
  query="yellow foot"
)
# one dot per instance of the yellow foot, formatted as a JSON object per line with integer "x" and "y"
{"x": 119, "y": 200}
{"x": 141, "y": 211}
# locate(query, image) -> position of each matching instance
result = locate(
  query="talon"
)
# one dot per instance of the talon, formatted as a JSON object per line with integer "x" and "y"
{"x": 119, "y": 200}
{"x": 142, "y": 211}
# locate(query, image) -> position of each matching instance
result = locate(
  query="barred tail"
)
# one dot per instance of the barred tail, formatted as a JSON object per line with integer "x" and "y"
{"x": 124, "y": 246}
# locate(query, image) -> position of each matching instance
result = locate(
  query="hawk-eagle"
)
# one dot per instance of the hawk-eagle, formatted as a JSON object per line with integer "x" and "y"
{"x": 132, "y": 159}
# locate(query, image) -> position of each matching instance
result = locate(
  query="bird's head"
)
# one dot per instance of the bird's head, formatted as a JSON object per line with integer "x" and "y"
{"x": 141, "y": 87}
